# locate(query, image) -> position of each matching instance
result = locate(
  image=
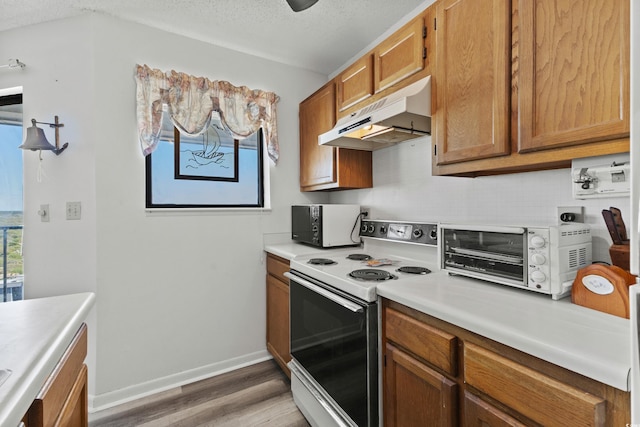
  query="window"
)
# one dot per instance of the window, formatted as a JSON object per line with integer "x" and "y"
{"x": 211, "y": 170}
{"x": 11, "y": 211}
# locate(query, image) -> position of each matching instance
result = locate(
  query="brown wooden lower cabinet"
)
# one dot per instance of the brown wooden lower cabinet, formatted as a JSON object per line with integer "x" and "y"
{"x": 63, "y": 401}
{"x": 278, "y": 311}
{"x": 449, "y": 376}
{"x": 417, "y": 395}
{"x": 477, "y": 412}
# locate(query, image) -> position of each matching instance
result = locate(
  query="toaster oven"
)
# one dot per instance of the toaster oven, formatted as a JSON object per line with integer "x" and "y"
{"x": 541, "y": 259}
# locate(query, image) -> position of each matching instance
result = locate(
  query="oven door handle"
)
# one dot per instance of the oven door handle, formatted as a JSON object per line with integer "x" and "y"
{"x": 325, "y": 293}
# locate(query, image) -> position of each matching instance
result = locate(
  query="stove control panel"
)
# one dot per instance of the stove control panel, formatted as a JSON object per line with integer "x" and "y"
{"x": 410, "y": 232}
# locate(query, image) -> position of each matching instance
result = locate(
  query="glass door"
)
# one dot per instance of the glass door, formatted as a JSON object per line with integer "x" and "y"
{"x": 11, "y": 212}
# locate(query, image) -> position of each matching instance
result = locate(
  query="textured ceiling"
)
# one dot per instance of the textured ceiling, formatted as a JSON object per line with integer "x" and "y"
{"x": 321, "y": 38}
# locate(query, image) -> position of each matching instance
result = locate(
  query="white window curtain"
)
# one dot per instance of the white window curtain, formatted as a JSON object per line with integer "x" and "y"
{"x": 191, "y": 100}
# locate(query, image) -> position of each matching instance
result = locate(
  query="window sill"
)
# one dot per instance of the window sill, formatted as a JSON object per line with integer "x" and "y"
{"x": 201, "y": 211}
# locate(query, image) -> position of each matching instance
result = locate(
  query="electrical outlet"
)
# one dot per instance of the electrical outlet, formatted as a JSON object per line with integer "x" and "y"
{"x": 568, "y": 214}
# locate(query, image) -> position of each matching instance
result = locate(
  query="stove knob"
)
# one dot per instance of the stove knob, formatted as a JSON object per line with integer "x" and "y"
{"x": 383, "y": 229}
{"x": 433, "y": 234}
{"x": 371, "y": 228}
{"x": 363, "y": 228}
{"x": 417, "y": 233}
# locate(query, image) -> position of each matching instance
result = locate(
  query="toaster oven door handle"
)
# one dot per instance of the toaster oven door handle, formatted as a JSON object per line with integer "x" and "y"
{"x": 487, "y": 228}
{"x": 325, "y": 293}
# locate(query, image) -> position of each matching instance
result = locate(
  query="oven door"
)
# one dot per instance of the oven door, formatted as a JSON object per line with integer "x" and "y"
{"x": 334, "y": 341}
{"x": 497, "y": 254}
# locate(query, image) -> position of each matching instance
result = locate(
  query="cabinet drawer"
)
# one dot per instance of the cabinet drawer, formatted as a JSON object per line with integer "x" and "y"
{"x": 51, "y": 401}
{"x": 277, "y": 266}
{"x": 532, "y": 394}
{"x": 431, "y": 344}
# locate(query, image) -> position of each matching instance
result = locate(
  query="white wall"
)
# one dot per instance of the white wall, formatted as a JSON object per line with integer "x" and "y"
{"x": 179, "y": 296}
{"x": 403, "y": 189}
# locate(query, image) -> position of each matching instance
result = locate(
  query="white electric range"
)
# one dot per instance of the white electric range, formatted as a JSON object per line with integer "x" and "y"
{"x": 334, "y": 318}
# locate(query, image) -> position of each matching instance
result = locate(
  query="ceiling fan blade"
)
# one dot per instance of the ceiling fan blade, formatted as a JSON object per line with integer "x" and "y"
{"x": 299, "y": 5}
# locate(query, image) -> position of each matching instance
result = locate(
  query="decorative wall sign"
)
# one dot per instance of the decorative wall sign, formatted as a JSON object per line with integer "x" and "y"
{"x": 217, "y": 170}
{"x": 212, "y": 155}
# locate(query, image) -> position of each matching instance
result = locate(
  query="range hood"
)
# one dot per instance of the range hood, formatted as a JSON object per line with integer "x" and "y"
{"x": 403, "y": 115}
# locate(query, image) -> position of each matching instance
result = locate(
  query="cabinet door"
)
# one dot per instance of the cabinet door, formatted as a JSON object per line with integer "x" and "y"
{"x": 400, "y": 55}
{"x": 278, "y": 322}
{"x": 480, "y": 413}
{"x": 573, "y": 78}
{"x": 472, "y": 80}
{"x": 355, "y": 83}
{"x": 75, "y": 412}
{"x": 317, "y": 115}
{"x": 62, "y": 401}
{"x": 416, "y": 395}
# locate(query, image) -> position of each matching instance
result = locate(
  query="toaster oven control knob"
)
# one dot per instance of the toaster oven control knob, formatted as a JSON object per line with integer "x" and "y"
{"x": 417, "y": 233}
{"x": 538, "y": 276}
{"x": 538, "y": 259}
{"x": 537, "y": 241}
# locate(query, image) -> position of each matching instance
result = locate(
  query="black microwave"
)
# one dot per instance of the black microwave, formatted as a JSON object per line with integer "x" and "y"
{"x": 325, "y": 225}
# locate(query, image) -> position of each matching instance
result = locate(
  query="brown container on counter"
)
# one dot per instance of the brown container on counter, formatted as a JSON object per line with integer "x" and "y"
{"x": 604, "y": 288}
{"x": 620, "y": 256}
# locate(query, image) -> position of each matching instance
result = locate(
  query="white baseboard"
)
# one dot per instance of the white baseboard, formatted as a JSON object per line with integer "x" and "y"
{"x": 137, "y": 391}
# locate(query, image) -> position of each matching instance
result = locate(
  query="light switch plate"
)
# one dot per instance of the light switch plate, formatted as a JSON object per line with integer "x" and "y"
{"x": 73, "y": 210}
{"x": 44, "y": 213}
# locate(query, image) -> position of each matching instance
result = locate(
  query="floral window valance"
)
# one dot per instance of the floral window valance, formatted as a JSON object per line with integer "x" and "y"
{"x": 191, "y": 100}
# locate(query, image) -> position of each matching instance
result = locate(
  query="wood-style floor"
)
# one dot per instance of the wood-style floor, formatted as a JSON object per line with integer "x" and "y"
{"x": 258, "y": 395}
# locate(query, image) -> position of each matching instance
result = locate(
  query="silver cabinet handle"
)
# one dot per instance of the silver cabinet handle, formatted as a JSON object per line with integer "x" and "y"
{"x": 325, "y": 293}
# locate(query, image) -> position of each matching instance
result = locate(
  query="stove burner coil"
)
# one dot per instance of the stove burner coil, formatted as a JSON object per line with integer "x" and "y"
{"x": 359, "y": 257}
{"x": 321, "y": 261}
{"x": 371, "y": 274}
{"x": 413, "y": 270}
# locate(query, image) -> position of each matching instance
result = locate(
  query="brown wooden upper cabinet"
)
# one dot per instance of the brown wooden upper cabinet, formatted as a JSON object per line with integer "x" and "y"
{"x": 401, "y": 59}
{"x": 526, "y": 85}
{"x": 573, "y": 83}
{"x": 355, "y": 84}
{"x": 472, "y": 76}
{"x": 325, "y": 167}
{"x": 399, "y": 56}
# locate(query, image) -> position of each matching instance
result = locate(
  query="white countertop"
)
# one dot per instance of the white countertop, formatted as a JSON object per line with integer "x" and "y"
{"x": 580, "y": 339}
{"x": 586, "y": 341}
{"x": 34, "y": 335}
{"x": 292, "y": 249}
